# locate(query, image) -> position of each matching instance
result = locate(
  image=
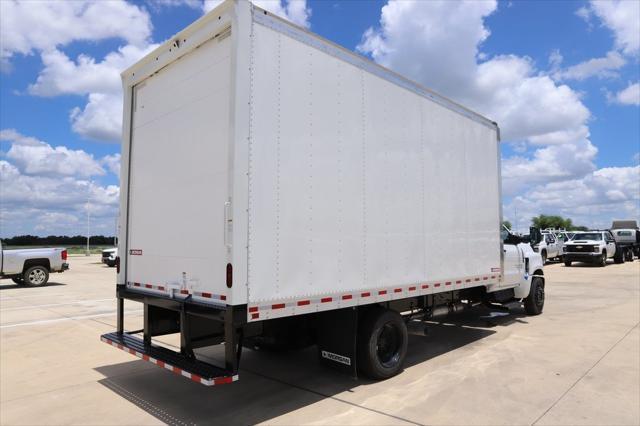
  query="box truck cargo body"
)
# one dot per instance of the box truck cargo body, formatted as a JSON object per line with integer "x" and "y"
{"x": 269, "y": 174}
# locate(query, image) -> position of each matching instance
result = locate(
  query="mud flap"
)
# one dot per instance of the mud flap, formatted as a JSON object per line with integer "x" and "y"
{"x": 337, "y": 335}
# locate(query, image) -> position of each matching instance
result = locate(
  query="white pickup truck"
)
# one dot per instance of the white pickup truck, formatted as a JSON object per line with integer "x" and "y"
{"x": 591, "y": 247}
{"x": 550, "y": 247}
{"x": 109, "y": 256}
{"x": 32, "y": 266}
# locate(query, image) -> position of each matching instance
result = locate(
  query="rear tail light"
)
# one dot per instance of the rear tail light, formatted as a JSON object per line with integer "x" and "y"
{"x": 229, "y": 275}
{"x": 118, "y": 264}
{"x": 64, "y": 255}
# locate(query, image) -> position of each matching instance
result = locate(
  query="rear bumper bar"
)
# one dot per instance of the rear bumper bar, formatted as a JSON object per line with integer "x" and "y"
{"x": 198, "y": 371}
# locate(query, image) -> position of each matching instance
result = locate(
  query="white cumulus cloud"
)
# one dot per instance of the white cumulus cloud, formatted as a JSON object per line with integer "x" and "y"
{"x": 604, "y": 67}
{"x": 26, "y": 26}
{"x": 44, "y": 189}
{"x": 592, "y": 200}
{"x": 101, "y": 117}
{"x": 627, "y": 96}
{"x": 415, "y": 39}
{"x": 622, "y": 17}
{"x": 36, "y": 157}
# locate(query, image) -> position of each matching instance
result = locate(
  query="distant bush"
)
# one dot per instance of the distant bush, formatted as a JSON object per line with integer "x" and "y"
{"x": 56, "y": 240}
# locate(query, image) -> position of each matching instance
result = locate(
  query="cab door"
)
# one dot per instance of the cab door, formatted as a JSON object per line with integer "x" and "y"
{"x": 552, "y": 245}
{"x": 513, "y": 265}
{"x": 611, "y": 244}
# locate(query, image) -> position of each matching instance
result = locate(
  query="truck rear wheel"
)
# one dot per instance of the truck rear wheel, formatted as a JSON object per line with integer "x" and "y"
{"x": 567, "y": 263}
{"x": 36, "y": 276}
{"x": 534, "y": 303}
{"x": 629, "y": 255}
{"x": 619, "y": 256}
{"x": 382, "y": 344}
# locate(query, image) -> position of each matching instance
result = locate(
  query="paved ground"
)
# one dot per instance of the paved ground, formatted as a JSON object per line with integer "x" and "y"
{"x": 578, "y": 363}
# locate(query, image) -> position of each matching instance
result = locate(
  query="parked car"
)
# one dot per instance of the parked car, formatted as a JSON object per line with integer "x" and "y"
{"x": 593, "y": 247}
{"x": 627, "y": 236}
{"x": 32, "y": 266}
{"x": 550, "y": 247}
{"x": 109, "y": 256}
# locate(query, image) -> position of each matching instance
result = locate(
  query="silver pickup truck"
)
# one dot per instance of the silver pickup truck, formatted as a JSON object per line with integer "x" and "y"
{"x": 32, "y": 266}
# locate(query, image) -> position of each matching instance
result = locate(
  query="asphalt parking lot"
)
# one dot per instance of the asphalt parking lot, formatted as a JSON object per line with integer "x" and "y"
{"x": 578, "y": 363}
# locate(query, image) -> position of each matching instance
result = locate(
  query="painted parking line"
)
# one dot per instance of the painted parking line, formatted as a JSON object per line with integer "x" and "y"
{"x": 51, "y": 305}
{"x": 81, "y": 317}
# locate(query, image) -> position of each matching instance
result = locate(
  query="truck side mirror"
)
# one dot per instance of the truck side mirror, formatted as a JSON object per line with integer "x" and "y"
{"x": 535, "y": 236}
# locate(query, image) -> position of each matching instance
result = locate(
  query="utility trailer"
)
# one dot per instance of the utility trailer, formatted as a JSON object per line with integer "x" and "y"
{"x": 278, "y": 190}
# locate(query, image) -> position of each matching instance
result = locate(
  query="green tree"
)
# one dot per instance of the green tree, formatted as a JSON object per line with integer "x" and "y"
{"x": 544, "y": 221}
{"x": 507, "y": 224}
{"x": 558, "y": 222}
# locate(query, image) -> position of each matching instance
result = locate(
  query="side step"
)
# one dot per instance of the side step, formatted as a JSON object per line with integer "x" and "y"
{"x": 198, "y": 371}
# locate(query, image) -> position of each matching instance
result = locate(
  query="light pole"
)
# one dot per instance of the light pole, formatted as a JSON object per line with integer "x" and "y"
{"x": 88, "y": 217}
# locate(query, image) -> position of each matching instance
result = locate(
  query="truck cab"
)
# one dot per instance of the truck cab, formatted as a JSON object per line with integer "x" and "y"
{"x": 522, "y": 263}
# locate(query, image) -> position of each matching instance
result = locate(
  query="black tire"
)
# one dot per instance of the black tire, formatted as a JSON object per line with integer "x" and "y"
{"x": 18, "y": 280}
{"x": 36, "y": 276}
{"x": 544, "y": 257}
{"x": 111, "y": 264}
{"x": 567, "y": 263}
{"x": 534, "y": 303}
{"x": 602, "y": 261}
{"x": 619, "y": 256}
{"x": 382, "y": 344}
{"x": 629, "y": 255}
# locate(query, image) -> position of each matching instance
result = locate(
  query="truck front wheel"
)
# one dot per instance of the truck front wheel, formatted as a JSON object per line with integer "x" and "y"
{"x": 382, "y": 344}
{"x": 603, "y": 259}
{"x": 36, "y": 276}
{"x": 534, "y": 303}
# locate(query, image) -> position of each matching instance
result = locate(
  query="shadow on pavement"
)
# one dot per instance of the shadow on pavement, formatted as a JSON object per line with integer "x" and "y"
{"x": 276, "y": 383}
{"x": 3, "y": 286}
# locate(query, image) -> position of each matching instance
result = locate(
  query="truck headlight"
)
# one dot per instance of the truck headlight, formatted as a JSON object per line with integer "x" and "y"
{"x": 564, "y": 249}
{"x": 596, "y": 249}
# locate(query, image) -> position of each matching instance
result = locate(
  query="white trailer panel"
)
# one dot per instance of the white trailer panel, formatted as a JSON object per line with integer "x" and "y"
{"x": 358, "y": 183}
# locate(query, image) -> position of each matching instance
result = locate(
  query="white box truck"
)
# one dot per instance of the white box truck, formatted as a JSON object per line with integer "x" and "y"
{"x": 277, "y": 189}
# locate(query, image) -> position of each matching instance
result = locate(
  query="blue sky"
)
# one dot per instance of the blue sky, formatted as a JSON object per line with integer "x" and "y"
{"x": 561, "y": 78}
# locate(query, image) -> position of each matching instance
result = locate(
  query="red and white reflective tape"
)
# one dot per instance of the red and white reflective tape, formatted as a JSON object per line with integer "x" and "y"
{"x": 176, "y": 370}
{"x": 179, "y": 291}
{"x": 288, "y": 307}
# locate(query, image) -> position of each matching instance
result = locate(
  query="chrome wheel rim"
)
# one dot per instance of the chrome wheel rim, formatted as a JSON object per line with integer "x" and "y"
{"x": 37, "y": 276}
